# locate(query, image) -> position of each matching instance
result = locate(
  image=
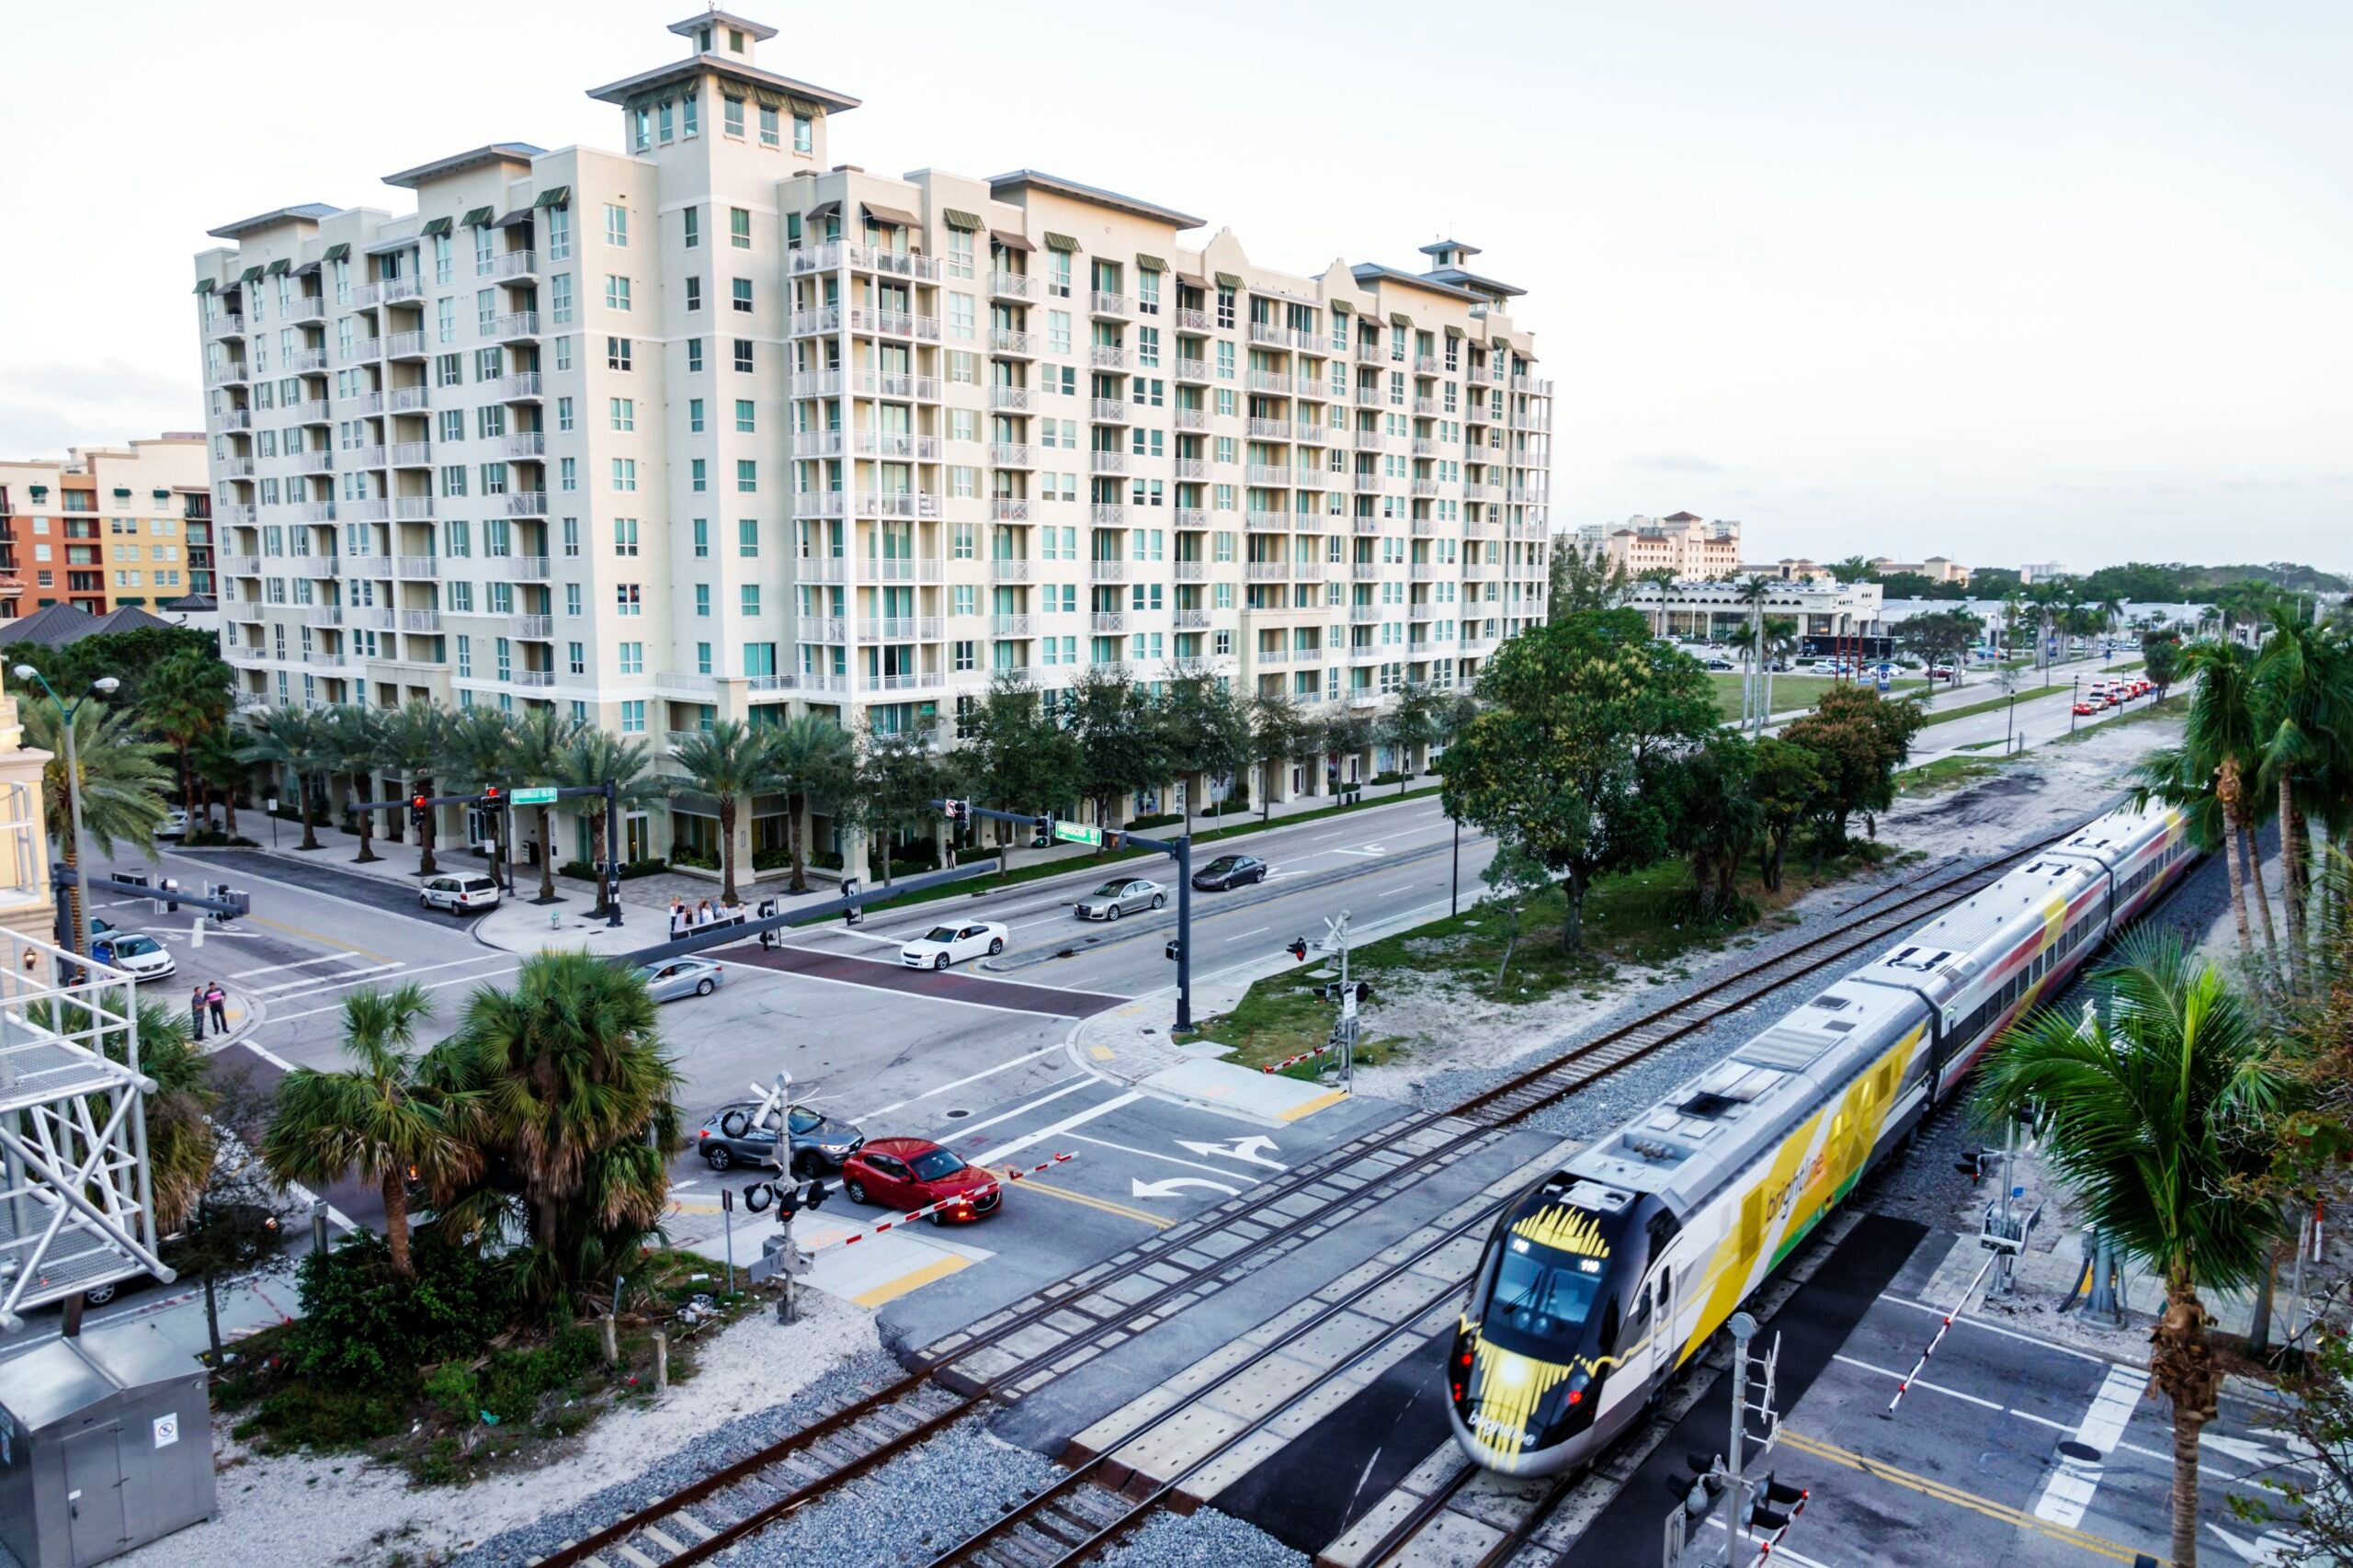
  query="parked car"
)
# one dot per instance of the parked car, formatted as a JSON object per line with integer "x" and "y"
{"x": 916, "y": 1172}
{"x": 135, "y": 953}
{"x": 1122, "y": 895}
{"x": 1230, "y": 872}
{"x": 1722, "y": 665}
{"x": 174, "y": 824}
{"x": 734, "y": 1137}
{"x": 683, "y": 977}
{"x": 944, "y": 945}
{"x": 461, "y": 892}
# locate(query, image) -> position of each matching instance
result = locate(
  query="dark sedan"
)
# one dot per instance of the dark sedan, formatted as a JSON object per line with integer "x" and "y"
{"x": 735, "y": 1136}
{"x": 1230, "y": 872}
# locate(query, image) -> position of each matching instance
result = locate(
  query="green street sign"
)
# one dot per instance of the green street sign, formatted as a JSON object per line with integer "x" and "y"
{"x": 1077, "y": 833}
{"x": 544, "y": 796}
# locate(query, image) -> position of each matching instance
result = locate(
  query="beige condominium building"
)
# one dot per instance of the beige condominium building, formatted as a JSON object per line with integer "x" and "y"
{"x": 717, "y": 426}
{"x": 107, "y": 526}
{"x": 1682, "y": 542}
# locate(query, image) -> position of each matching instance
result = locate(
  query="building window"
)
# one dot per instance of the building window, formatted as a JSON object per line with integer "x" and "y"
{"x": 633, "y": 717}
{"x": 694, "y": 415}
{"x": 694, "y": 357}
{"x": 698, "y": 478}
{"x": 742, "y": 294}
{"x": 804, "y": 134}
{"x": 702, "y": 601}
{"x": 747, "y": 476}
{"x": 616, "y": 224}
{"x": 744, "y": 416}
{"x": 625, "y": 538}
{"x": 739, "y": 227}
{"x": 616, "y": 292}
{"x": 731, "y": 114}
{"x": 744, "y": 355}
{"x": 624, "y": 413}
{"x": 771, "y": 127}
{"x": 632, "y": 658}
{"x": 625, "y": 474}
{"x": 628, "y": 599}
{"x": 694, "y": 293}
{"x": 558, "y": 227}
{"x": 752, "y": 599}
{"x": 617, "y": 354}
{"x": 702, "y": 536}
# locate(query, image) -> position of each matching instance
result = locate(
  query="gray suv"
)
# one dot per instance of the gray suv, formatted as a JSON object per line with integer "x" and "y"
{"x": 732, "y": 1136}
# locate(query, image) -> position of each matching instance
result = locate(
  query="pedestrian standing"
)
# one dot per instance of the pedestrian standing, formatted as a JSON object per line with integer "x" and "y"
{"x": 196, "y": 1009}
{"x": 217, "y": 1000}
{"x": 677, "y": 918}
{"x": 703, "y": 916}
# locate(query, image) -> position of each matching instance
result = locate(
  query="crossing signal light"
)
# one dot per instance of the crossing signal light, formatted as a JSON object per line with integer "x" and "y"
{"x": 853, "y": 916}
{"x": 1776, "y": 1506}
{"x": 418, "y": 805}
{"x": 489, "y": 798}
{"x": 1297, "y": 949}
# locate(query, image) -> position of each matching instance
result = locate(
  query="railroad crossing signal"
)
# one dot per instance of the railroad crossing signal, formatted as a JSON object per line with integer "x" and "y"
{"x": 1297, "y": 949}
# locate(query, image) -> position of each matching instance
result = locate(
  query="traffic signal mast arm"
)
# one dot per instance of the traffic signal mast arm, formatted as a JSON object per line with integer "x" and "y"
{"x": 236, "y": 904}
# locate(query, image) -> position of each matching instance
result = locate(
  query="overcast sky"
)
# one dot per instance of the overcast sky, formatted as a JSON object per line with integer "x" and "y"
{"x": 2004, "y": 282}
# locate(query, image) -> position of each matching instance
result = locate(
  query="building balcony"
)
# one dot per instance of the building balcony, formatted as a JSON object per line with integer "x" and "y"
{"x": 1101, "y": 571}
{"x": 898, "y": 445}
{"x": 1427, "y": 365}
{"x": 363, "y": 349}
{"x": 1010, "y": 285}
{"x": 536, "y": 627}
{"x": 227, "y": 373}
{"x": 1369, "y": 354}
{"x": 893, "y": 323}
{"x": 225, "y": 323}
{"x": 1369, "y": 396}
{"x": 816, "y": 383}
{"x": 1363, "y": 614}
{"x": 1270, "y": 429}
{"x": 227, "y": 512}
{"x": 1108, "y": 622}
{"x": 366, "y": 509}
{"x": 515, "y": 386}
{"x": 233, "y": 419}
{"x": 1196, "y": 321}
{"x": 417, "y": 568}
{"x": 1191, "y": 418}
{"x": 825, "y": 318}
{"x": 1100, "y": 462}
{"x": 900, "y": 569}
{"x": 1268, "y": 474}
{"x": 1268, "y": 334}
{"x": 1190, "y": 517}
{"x": 1425, "y": 487}
{"x": 1005, "y": 569}
{"x": 313, "y": 566}
{"x": 899, "y": 628}
{"x": 1314, "y": 433}
{"x": 1192, "y": 620}
{"x": 527, "y": 444}
{"x": 407, "y": 400}
{"x": 1190, "y": 571}
{"x": 1107, "y": 410}
{"x": 1424, "y": 572}
{"x": 817, "y": 444}
{"x": 1271, "y": 655}
{"x": 1009, "y": 454}
{"x": 1012, "y": 399}
{"x": 418, "y": 620}
{"x": 417, "y": 345}
{"x": 514, "y": 325}
{"x": 1105, "y": 357}
{"x": 529, "y": 678}
{"x": 1012, "y": 344}
{"x": 1012, "y": 626}
{"x": 821, "y": 569}
{"x": 322, "y": 614}
{"x": 1364, "y": 571}
{"x": 898, "y": 503}
{"x": 814, "y": 258}
{"x": 245, "y": 652}
{"x": 240, "y": 565}
{"x": 1108, "y": 514}
{"x": 819, "y": 504}
{"x": 393, "y": 290}
{"x": 1268, "y": 571}
{"x": 1193, "y": 372}
{"x": 412, "y": 508}
{"x": 876, "y": 383}
{"x": 1478, "y": 375}
{"x": 1009, "y": 509}
{"x": 516, "y": 264}
{"x": 324, "y": 658}
{"x": 360, "y": 457}
{"x": 893, "y": 263}
{"x": 823, "y": 628}
{"x": 1192, "y": 468}
{"x": 233, "y": 468}
{"x": 904, "y": 680}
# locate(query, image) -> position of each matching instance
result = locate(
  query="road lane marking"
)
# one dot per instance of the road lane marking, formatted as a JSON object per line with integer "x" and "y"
{"x": 960, "y": 1083}
{"x": 1116, "y": 1103}
{"x": 1919, "y": 1382}
{"x": 939, "y": 1269}
{"x": 309, "y": 983}
{"x": 1253, "y": 931}
{"x": 1157, "y": 1221}
{"x": 314, "y": 937}
{"x": 1017, "y": 1111}
{"x": 1153, "y": 1154}
{"x": 2071, "y": 1485}
{"x": 2005, "y": 1332}
{"x": 437, "y": 985}
{"x": 298, "y": 963}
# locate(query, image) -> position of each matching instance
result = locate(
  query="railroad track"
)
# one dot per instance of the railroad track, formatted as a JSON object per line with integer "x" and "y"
{"x": 1072, "y": 1320}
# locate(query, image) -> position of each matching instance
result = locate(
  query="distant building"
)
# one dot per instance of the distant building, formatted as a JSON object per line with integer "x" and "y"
{"x": 1713, "y": 610}
{"x": 2044, "y": 572}
{"x": 1935, "y": 569}
{"x": 1790, "y": 569}
{"x": 1683, "y": 543}
{"x": 57, "y": 625}
{"x": 105, "y": 527}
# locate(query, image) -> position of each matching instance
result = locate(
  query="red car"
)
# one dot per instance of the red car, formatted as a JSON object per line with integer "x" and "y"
{"x": 2087, "y": 706}
{"x": 908, "y": 1174}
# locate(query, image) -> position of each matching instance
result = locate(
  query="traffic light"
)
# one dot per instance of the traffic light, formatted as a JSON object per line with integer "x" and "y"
{"x": 1776, "y": 1506}
{"x": 956, "y": 810}
{"x": 417, "y": 807}
{"x": 1297, "y": 949}
{"x": 488, "y": 799}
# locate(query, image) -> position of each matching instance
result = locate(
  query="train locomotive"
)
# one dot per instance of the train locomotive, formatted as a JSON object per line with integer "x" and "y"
{"x": 1599, "y": 1283}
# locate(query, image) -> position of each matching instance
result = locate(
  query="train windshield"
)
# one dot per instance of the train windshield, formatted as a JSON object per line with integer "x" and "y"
{"x": 1541, "y": 1295}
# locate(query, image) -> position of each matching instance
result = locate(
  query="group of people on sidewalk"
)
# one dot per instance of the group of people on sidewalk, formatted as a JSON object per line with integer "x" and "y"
{"x": 208, "y": 998}
{"x": 683, "y": 919}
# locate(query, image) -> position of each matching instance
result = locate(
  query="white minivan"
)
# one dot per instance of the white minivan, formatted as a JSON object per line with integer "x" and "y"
{"x": 461, "y": 892}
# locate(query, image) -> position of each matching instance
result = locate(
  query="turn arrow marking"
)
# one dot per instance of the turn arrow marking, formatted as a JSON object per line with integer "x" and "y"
{"x": 1172, "y": 1185}
{"x": 1253, "y": 1149}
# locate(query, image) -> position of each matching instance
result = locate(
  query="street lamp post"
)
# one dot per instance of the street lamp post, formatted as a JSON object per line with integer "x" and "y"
{"x": 2075, "y": 698}
{"x": 104, "y": 685}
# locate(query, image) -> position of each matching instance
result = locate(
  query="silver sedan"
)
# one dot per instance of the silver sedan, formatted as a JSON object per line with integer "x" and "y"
{"x": 1123, "y": 895}
{"x": 683, "y": 977}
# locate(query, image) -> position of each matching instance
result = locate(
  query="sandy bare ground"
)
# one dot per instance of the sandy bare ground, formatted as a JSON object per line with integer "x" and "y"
{"x": 343, "y": 1508}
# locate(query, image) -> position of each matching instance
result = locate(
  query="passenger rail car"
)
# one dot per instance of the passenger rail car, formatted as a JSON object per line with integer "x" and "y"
{"x": 1601, "y": 1281}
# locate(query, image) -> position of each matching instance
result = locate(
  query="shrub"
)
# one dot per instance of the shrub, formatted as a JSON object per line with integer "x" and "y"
{"x": 215, "y": 839}
{"x": 360, "y": 1322}
{"x": 826, "y": 860}
{"x": 581, "y": 869}
{"x": 702, "y": 860}
{"x": 1157, "y": 819}
{"x": 451, "y": 1389}
{"x": 774, "y": 858}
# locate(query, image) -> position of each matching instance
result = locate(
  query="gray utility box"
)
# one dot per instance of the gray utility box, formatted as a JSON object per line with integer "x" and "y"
{"x": 105, "y": 1443}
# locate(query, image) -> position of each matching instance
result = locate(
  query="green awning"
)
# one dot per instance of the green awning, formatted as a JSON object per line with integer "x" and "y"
{"x": 1059, "y": 242}
{"x": 123, "y": 491}
{"x": 767, "y": 97}
{"x": 163, "y": 494}
{"x": 1453, "y": 332}
{"x": 40, "y": 490}
{"x": 280, "y": 266}
{"x": 1228, "y": 280}
{"x": 806, "y": 107}
{"x": 962, "y": 220}
{"x": 554, "y": 196}
{"x": 477, "y": 217}
{"x": 434, "y": 228}
{"x": 337, "y": 253}
{"x": 1399, "y": 318}
{"x": 204, "y": 284}
{"x": 252, "y": 275}
{"x": 1152, "y": 264}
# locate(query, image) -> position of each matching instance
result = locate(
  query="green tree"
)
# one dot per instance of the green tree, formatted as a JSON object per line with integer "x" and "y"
{"x": 2161, "y": 660}
{"x": 2163, "y": 1120}
{"x": 1414, "y": 721}
{"x": 2211, "y": 775}
{"x": 220, "y": 770}
{"x": 593, "y": 758}
{"x": 1204, "y": 732}
{"x": 1716, "y": 816}
{"x": 233, "y": 1228}
{"x": 730, "y": 763}
{"x": 812, "y": 757}
{"x": 1857, "y": 741}
{"x": 1552, "y": 762}
{"x": 1787, "y": 783}
{"x": 356, "y": 737}
{"x": 562, "y": 1089}
{"x": 1346, "y": 734}
{"x": 1854, "y": 569}
{"x": 1011, "y": 755}
{"x": 186, "y": 698}
{"x": 1279, "y": 734}
{"x": 1584, "y": 579}
{"x": 414, "y": 739}
{"x": 899, "y": 775}
{"x": 1942, "y": 638}
{"x": 300, "y": 743}
{"x": 378, "y": 1117}
{"x": 122, "y": 782}
{"x": 539, "y": 755}
{"x": 1119, "y": 741}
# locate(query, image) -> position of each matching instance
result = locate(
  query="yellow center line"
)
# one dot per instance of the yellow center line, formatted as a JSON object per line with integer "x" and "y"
{"x": 2098, "y": 1545}
{"x": 1033, "y": 1185}
{"x": 314, "y": 937}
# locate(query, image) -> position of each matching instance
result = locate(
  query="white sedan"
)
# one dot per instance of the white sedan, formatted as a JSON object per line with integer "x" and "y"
{"x": 944, "y": 945}
{"x": 134, "y": 953}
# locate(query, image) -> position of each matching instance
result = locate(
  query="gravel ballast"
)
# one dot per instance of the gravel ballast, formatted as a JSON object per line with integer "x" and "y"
{"x": 1204, "y": 1538}
{"x": 910, "y": 1510}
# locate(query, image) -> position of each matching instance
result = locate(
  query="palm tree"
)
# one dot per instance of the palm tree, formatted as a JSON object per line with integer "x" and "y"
{"x": 123, "y": 780}
{"x": 2302, "y": 696}
{"x": 2210, "y": 773}
{"x": 220, "y": 769}
{"x": 299, "y": 742}
{"x": 539, "y": 749}
{"x": 592, "y": 759}
{"x": 2163, "y": 1121}
{"x": 809, "y": 756}
{"x": 183, "y": 697}
{"x": 413, "y": 741}
{"x": 355, "y": 736}
{"x": 729, "y": 762}
{"x": 475, "y": 745}
{"x": 1753, "y": 592}
{"x": 377, "y": 1117}
{"x": 563, "y": 1085}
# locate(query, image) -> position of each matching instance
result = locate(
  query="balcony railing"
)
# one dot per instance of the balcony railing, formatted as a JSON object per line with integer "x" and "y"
{"x": 324, "y": 658}
{"x": 313, "y": 566}
{"x": 407, "y": 345}
{"x": 1011, "y": 626}
{"x": 1369, "y": 354}
{"x": 1007, "y": 341}
{"x": 366, "y": 509}
{"x": 1194, "y": 321}
{"x": 234, "y": 419}
{"x": 1190, "y": 571}
{"x": 1107, "y": 408}
{"x": 900, "y": 569}
{"x": 392, "y": 291}
{"x": 412, "y": 508}
{"x": 1269, "y": 571}
{"x": 516, "y": 264}
{"x": 424, "y": 568}
{"x": 904, "y": 680}
{"x": 1272, "y": 656}
{"x": 540, "y": 628}
{"x": 1107, "y": 571}
{"x": 1108, "y": 514}
{"x": 1269, "y": 334}
{"x": 363, "y": 349}
{"x": 1193, "y": 370}
{"x": 898, "y": 444}
{"x": 816, "y": 383}
{"x": 1190, "y": 517}
{"x": 1192, "y": 468}
{"x": 228, "y": 373}
{"x": 1011, "y": 398}
{"x": 1101, "y": 303}
{"x": 240, "y": 565}
{"x": 1105, "y": 357}
{"x": 514, "y": 323}
{"x": 1005, "y": 569}
{"x": 894, "y": 263}
{"x": 420, "y": 620}
{"x": 825, "y": 318}
{"x": 821, "y": 569}
{"x": 1270, "y": 429}
{"x": 226, "y": 512}
{"x": 818, "y": 504}
{"x": 1192, "y": 620}
{"x": 872, "y": 384}
{"x": 1100, "y": 462}
{"x": 1191, "y": 418}
{"x": 899, "y": 628}
{"x": 898, "y": 503}
{"x": 1009, "y": 508}
{"x": 1107, "y": 622}
{"x": 515, "y": 386}
{"x": 1009, "y": 454}
{"x": 407, "y": 400}
{"x": 319, "y": 462}
{"x": 322, "y": 614}
{"x": 814, "y": 258}
{"x": 228, "y": 324}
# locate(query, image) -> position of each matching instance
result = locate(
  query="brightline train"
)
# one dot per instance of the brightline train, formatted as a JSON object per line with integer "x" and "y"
{"x": 1602, "y": 1281}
